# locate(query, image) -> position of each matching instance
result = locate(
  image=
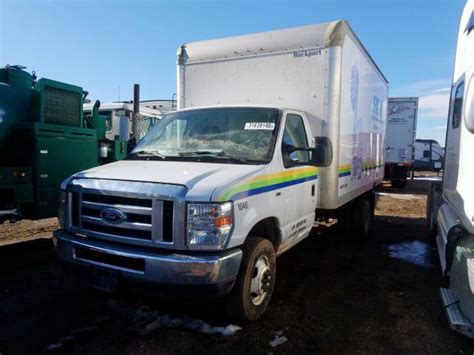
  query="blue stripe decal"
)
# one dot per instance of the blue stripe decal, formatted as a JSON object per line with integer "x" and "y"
{"x": 345, "y": 174}
{"x": 263, "y": 189}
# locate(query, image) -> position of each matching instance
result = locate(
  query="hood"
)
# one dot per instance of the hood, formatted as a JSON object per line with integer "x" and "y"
{"x": 201, "y": 179}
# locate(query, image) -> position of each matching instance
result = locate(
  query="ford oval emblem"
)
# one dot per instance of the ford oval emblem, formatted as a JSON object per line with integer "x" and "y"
{"x": 113, "y": 216}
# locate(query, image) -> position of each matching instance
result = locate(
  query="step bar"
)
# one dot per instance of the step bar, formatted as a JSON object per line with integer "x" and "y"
{"x": 457, "y": 320}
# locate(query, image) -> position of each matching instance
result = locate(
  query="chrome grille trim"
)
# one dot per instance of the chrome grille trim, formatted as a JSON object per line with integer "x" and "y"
{"x": 144, "y": 226}
{"x": 157, "y": 234}
{"x": 123, "y": 225}
{"x": 124, "y": 208}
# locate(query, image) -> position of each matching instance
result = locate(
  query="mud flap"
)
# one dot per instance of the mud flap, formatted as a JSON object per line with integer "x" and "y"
{"x": 457, "y": 320}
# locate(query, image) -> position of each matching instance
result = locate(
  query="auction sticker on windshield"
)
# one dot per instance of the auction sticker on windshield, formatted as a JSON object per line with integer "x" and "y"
{"x": 260, "y": 125}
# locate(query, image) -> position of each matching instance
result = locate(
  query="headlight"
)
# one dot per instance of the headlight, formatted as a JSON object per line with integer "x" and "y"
{"x": 209, "y": 225}
{"x": 62, "y": 203}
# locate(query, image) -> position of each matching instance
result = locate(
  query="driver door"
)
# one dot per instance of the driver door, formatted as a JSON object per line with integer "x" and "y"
{"x": 300, "y": 195}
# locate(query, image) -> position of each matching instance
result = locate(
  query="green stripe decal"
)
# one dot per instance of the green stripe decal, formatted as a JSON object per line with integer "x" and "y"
{"x": 267, "y": 182}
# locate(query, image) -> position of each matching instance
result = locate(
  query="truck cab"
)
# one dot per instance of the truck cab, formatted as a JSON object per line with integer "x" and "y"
{"x": 240, "y": 171}
{"x": 118, "y": 116}
{"x": 451, "y": 204}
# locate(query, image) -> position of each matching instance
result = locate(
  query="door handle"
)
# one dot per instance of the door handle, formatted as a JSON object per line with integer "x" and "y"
{"x": 312, "y": 190}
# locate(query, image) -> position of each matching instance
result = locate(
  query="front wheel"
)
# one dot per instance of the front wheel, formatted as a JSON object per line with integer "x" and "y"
{"x": 253, "y": 289}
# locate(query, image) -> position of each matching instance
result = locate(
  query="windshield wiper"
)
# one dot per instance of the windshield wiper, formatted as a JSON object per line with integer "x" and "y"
{"x": 149, "y": 153}
{"x": 213, "y": 153}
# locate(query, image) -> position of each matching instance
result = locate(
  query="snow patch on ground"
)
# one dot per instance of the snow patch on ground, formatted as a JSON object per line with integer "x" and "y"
{"x": 279, "y": 339}
{"x": 167, "y": 321}
{"x": 146, "y": 320}
{"x": 414, "y": 252}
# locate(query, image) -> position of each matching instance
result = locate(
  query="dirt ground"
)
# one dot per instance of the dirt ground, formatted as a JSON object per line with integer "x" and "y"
{"x": 334, "y": 294}
{"x": 26, "y": 230}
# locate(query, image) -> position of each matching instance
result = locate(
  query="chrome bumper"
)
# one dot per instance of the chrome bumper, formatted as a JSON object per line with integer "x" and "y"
{"x": 160, "y": 266}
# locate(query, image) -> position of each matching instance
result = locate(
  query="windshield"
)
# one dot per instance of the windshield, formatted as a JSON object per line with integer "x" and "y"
{"x": 244, "y": 134}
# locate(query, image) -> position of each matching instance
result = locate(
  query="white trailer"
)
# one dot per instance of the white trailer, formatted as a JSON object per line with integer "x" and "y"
{"x": 272, "y": 130}
{"x": 429, "y": 155}
{"x": 451, "y": 205}
{"x": 400, "y": 141}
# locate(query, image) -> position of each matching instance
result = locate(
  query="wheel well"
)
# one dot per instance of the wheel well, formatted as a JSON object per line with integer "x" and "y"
{"x": 268, "y": 229}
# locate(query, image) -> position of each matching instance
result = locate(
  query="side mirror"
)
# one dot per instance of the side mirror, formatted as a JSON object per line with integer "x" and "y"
{"x": 322, "y": 153}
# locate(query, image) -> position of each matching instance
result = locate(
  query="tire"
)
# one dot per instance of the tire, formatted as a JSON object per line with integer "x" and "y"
{"x": 361, "y": 218}
{"x": 431, "y": 209}
{"x": 254, "y": 286}
{"x": 399, "y": 184}
{"x": 430, "y": 219}
{"x": 344, "y": 219}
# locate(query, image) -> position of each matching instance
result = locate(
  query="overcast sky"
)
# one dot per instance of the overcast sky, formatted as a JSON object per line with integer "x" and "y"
{"x": 106, "y": 46}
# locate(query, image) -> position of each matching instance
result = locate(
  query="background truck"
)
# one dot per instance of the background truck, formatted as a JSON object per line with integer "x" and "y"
{"x": 118, "y": 116}
{"x": 272, "y": 130}
{"x": 429, "y": 155}
{"x": 451, "y": 204}
{"x": 400, "y": 142}
{"x": 44, "y": 137}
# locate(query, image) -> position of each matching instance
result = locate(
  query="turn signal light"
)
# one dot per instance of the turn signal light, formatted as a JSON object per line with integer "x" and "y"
{"x": 18, "y": 174}
{"x": 223, "y": 221}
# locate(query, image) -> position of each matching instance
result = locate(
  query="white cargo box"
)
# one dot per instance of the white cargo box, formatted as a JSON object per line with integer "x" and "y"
{"x": 323, "y": 70}
{"x": 401, "y": 130}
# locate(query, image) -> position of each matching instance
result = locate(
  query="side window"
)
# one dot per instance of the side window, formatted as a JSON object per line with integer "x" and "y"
{"x": 294, "y": 136}
{"x": 457, "y": 107}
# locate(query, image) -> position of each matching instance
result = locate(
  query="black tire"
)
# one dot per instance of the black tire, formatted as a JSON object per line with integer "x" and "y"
{"x": 240, "y": 302}
{"x": 361, "y": 218}
{"x": 432, "y": 203}
{"x": 344, "y": 219}
{"x": 399, "y": 184}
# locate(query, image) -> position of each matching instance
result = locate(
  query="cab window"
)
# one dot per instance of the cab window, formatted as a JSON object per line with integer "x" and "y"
{"x": 457, "y": 107}
{"x": 294, "y": 136}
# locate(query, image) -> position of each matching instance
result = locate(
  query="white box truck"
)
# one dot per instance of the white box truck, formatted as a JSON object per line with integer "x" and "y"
{"x": 400, "y": 141}
{"x": 270, "y": 128}
{"x": 451, "y": 204}
{"x": 429, "y": 155}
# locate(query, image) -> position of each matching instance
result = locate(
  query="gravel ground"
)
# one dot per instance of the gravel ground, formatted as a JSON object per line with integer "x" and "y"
{"x": 333, "y": 294}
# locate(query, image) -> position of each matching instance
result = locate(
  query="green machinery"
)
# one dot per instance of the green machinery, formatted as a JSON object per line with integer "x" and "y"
{"x": 44, "y": 138}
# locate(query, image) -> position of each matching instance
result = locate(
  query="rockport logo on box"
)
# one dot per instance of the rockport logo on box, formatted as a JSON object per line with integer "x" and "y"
{"x": 307, "y": 53}
{"x": 113, "y": 216}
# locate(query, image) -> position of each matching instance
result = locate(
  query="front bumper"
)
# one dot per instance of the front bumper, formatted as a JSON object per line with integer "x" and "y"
{"x": 150, "y": 266}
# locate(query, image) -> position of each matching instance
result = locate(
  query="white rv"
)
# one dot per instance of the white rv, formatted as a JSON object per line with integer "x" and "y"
{"x": 400, "y": 142}
{"x": 272, "y": 130}
{"x": 451, "y": 206}
{"x": 429, "y": 155}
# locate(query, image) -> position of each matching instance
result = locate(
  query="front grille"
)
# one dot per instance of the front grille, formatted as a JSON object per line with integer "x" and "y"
{"x": 143, "y": 220}
{"x": 62, "y": 106}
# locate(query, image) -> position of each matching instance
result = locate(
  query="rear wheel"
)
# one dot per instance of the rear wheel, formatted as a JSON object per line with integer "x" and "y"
{"x": 361, "y": 218}
{"x": 253, "y": 289}
{"x": 399, "y": 184}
